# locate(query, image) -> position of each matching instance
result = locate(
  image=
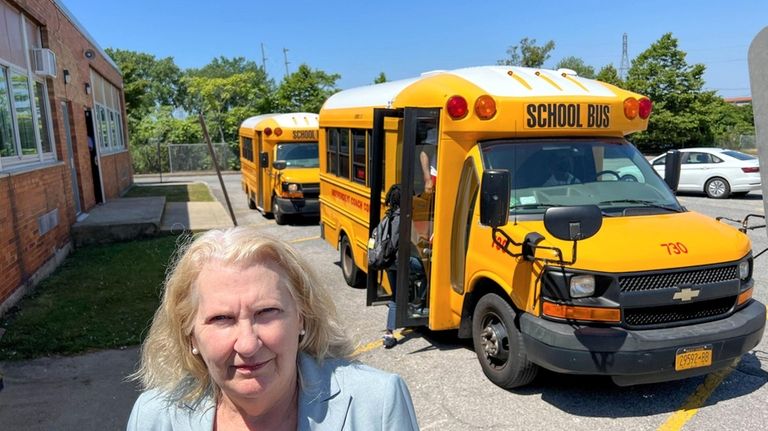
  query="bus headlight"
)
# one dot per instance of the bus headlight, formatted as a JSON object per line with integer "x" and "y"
{"x": 582, "y": 286}
{"x": 744, "y": 270}
{"x": 290, "y": 187}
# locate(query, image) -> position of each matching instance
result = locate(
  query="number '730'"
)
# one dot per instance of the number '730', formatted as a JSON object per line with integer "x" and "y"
{"x": 675, "y": 248}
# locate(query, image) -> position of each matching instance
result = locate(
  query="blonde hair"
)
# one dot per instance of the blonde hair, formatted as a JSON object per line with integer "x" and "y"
{"x": 167, "y": 362}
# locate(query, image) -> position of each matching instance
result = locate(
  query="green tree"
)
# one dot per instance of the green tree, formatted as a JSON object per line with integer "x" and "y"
{"x": 528, "y": 54}
{"x": 148, "y": 82}
{"x": 610, "y": 75}
{"x": 382, "y": 78}
{"x": 681, "y": 109}
{"x": 223, "y": 67}
{"x": 577, "y": 65}
{"x": 306, "y": 90}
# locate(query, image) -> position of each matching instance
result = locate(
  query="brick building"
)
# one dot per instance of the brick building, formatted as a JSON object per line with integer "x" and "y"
{"x": 63, "y": 143}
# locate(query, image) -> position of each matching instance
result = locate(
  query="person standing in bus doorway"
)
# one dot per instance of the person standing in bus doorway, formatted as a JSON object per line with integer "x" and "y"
{"x": 428, "y": 160}
{"x": 392, "y": 202}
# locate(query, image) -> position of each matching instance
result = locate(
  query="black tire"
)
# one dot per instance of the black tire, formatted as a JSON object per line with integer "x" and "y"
{"x": 251, "y": 203}
{"x": 352, "y": 274}
{"x": 717, "y": 188}
{"x": 499, "y": 344}
{"x": 280, "y": 217}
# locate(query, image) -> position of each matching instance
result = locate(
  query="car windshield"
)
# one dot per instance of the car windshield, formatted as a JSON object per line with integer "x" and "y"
{"x": 738, "y": 155}
{"x": 610, "y": 173}
{"x": 298, "y": 154}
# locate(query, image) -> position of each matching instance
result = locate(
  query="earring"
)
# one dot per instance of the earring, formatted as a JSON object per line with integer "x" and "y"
{"x": 303, "y": 332}
{"x": 195, "y": 351}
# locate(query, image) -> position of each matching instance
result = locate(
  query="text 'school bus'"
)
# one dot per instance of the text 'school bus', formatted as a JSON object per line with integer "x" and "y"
{"x": 533, "y": 226}
{"x": 279, "y": 164}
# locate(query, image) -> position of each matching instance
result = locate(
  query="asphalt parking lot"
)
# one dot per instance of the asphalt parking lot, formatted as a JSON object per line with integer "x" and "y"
{"x": 448, "y": 387}
{"x": 450, "y": 391}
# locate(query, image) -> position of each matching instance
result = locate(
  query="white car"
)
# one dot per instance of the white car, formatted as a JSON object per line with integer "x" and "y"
{"x": 717, "y": 172}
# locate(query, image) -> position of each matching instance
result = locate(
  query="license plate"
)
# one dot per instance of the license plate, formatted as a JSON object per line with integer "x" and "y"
{"x": 693, "y": 357}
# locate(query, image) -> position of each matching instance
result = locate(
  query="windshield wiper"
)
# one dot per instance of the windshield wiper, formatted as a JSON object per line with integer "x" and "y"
{"x": 532, "y": 206}
{"x": 642, "y": 202}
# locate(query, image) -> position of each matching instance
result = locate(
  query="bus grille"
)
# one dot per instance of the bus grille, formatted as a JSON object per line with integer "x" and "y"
{"x": 695, "y": 277}
{"x": 311, "y": 190}
{"x": 710, "y": 309}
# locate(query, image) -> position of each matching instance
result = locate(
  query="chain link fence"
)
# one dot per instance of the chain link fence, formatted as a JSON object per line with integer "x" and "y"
{"x": 735, "y": 141}
{"x": 196, "y": 158}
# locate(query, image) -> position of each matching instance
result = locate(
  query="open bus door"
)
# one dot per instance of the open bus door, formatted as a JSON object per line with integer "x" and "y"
{"x": 416, "y": 213}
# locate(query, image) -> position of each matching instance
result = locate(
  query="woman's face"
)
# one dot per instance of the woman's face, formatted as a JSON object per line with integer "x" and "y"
{"x": 247, "y": 332}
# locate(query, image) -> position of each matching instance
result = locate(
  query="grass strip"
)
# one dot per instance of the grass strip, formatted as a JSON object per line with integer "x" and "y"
{"x": 194, "y": 192}
{"x": 101, "y": 297}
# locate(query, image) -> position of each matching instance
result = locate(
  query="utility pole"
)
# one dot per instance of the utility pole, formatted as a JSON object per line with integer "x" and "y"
{"x": 624, "y": 68}
{"x": 285, "y": 55}
{"x": 263, "y": 59}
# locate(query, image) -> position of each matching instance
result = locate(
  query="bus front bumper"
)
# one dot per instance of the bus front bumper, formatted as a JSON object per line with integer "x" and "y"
{"x": 633, "y": 357}
{"x": 308, "y": 207}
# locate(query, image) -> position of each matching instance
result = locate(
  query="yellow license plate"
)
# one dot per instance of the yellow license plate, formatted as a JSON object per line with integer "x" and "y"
{"x": 693, "y": 357}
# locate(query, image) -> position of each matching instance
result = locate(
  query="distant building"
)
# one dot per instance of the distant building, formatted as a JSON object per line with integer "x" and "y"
{"x": 738, "y": 101}
{"x": 63, "y": 143}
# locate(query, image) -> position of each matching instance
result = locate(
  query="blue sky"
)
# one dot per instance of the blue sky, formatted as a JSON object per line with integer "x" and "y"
{"x": 359, "y": 39}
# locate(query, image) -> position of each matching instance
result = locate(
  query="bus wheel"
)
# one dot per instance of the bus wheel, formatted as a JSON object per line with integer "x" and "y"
{"x": 499, "y": 344}
{"x": 352, "y": 274}
{"x": 251, "y": 203}
{"x": 280, "y": 218}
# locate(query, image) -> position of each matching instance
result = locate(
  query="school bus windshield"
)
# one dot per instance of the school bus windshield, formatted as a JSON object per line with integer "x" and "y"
{"x": 610, "y": 173}
{"x": 298, "y": 155}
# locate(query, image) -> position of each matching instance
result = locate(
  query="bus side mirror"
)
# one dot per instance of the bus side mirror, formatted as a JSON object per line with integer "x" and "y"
{"x": 573, "y": 223}
{"x": 672, "y": 161}
{"x": 279, "y": 164}
{"x": 494, "y": 198}
{"x": 264, "y": 160}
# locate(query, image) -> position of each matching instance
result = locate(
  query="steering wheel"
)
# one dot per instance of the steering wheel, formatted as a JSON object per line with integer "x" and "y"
{"x": 614, "y": 173}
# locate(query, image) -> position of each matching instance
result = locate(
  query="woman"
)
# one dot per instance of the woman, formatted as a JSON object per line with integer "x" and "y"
{"x": 246, "y": 338}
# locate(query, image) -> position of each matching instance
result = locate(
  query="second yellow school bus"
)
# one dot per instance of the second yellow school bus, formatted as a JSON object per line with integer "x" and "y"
{"x": 279, "y": 164}
{"x": 534, "y": 227}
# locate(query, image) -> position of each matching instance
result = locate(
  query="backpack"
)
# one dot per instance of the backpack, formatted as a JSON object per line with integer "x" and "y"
{"x": 382, "y": 246}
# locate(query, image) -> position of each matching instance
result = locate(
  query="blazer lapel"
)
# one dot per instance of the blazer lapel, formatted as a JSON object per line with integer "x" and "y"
{"x": 321, "y": 400}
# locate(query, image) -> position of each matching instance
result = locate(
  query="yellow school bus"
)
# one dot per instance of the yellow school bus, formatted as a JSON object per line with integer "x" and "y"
{"x": 279, "y": 164}
{"x": 540, "y": 232}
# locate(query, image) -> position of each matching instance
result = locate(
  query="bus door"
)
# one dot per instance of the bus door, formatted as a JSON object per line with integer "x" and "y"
{"x": 262, "y": 171}
{"x": 418, "y": 151}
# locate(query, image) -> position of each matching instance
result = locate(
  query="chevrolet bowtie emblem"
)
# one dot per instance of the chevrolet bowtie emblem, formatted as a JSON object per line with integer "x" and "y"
{"x": 686, "y": 294}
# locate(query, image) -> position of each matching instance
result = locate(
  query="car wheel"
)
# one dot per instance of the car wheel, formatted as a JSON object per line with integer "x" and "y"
{"x": 280, "y": 217}
{"x": 628, "y": 177}
{"x": 717, "y": 188}
{"x": 499, "y": 344}
{"x": 352, "y": 274}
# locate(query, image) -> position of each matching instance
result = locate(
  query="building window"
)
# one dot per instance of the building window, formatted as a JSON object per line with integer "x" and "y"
{"x": 7, "y": 140}
{"x": 25, "y": 128}
{"x": 109, "y": 122}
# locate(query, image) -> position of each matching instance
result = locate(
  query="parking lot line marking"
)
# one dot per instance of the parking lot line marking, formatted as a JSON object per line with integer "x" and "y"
{"x": 399, "y": 335}
{"x": 696, "y": 400}
{"x": 309, "y": 238}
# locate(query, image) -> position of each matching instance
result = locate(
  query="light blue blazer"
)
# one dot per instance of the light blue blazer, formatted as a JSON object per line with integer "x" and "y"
{"x": 337, "y": 395}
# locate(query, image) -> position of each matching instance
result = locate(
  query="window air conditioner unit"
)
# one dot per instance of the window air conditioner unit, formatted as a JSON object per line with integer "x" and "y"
{"x": 44, "y": 62}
